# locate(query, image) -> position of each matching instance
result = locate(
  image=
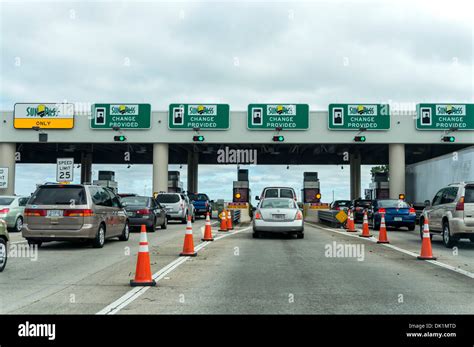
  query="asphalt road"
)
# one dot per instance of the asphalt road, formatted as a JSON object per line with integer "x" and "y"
{"x": 239, "y": 274}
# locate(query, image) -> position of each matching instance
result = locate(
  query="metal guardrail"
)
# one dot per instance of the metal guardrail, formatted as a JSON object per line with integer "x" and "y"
{"x": 329, "y": 216}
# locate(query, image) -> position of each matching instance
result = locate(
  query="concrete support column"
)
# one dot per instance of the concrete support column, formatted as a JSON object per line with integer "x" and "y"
{"x": 160, "y": 167}
{"x": 7, "y": 160}
{"x": 396, "y": 164}
{"x": 86, "y": 167}
{"x": 193, "y": 163}
{"x": 354, "y": 163}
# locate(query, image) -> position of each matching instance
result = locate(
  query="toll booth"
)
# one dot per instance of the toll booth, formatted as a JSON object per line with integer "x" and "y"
{"x": 107, "y": 179}
{"x": 174, "y": 182}
{"x": 310, "y": 194}
{"x": 379, "y": 188}
{"x": 241, "y": 196}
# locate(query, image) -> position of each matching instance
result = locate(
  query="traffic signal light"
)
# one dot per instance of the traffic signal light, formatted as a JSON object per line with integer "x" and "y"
{"x": 318, "y": 196}
{"x": 359, "y": 138}
{"x": 449, "y": 139}
{"x": 278, "y": 138}
{"x": 198, "y": 138}
{"x": 238, "y": 196}
{"x": 120, "y": 138}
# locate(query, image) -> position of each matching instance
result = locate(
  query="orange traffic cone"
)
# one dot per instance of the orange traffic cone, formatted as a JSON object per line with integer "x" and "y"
{"x": 188, "y": 247}
{"x": 143, "y": 270}
{"x": 229, "y": 221}
{"x": 383, "y": 231}
{"x": 426, "y": 251}
{"x": 207, "y": 230}
{"x": 223, "y": 226}
{"x": 350, "y": 226}
{"x": 365, "y": 226}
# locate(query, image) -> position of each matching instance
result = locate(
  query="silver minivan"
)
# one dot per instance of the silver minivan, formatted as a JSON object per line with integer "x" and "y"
{"x": 177, "y": 206}
{"x": 451, "y": 213}
{"x": 68, "y": 212}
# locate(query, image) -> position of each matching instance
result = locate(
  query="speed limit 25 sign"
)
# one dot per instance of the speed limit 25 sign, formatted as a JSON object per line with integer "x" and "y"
{"x": 65, "y": 170}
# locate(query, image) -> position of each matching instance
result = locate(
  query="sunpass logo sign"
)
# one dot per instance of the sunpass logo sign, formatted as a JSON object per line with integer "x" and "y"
{"x": 128, "y": 110}
{"x": 208, "y": 110}
{"x": 281, "y": 110}
{"x": 42, "y": 111}
{"x": 362, "y": 110}
{"x": 451, "y": 110}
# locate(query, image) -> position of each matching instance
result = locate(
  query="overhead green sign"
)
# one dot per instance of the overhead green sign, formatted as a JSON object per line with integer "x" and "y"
{"x": 445, "y": 116}
{"x": 123, "y": 116}
{"x": 359, "y": 116}
{"x": 278, "y": 116}
{"x": 202, "y": 116}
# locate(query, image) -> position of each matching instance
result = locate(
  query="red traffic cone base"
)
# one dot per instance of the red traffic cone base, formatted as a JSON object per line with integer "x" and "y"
{"x": 383, "y": 231}
{"x": 365, "y": 227}
{"x": 188, "y": 247}
{"x": 426, "y": 252}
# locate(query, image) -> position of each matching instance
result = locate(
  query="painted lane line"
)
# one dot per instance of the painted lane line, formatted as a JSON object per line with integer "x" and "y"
{"x": 401, "y": 250}
{"x": 135, "y": 293}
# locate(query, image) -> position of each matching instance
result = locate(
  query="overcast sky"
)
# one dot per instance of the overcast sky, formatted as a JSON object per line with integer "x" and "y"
{"x": 403, "y": 52}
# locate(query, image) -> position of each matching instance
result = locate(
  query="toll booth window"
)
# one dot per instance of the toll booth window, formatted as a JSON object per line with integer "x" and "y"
{"x": 167, "y": 198}
{"x": 271, "y": 193}
{"x": 469, "y": 194}
{"x": 63, "y": 195}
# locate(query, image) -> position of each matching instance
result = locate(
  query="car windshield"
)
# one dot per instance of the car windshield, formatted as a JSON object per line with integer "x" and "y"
{"x": 136, "y": 200}
{"x": 6, "y": 201}
{"x": 342, "y": 203}
{"x": 167, "y": 198}
{"x": 198, "y": 197}
{"x": 468, "y": 195}
{"x": 278, "y": 203}
{"x": 271, "y": 193}
{"x": 392, "y": 203}
{"x": 59, "y": 195}
{"x": 286, "y": 193}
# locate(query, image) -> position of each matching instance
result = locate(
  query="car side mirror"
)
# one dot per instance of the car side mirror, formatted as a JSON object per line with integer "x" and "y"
{"x": 427, "y": 203}
{"x": 211, "y": 201}
{"x": 123, "y": 204}
{"x": 257, "y": 197}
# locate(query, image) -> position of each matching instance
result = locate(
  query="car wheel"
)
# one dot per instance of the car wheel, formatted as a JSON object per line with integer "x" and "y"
{"x": 411, "y": 227}
{"x": 125, "y": 233}
{"x": 153, "y": 227}
{"x": 448, "y": 240}
{"x": 3, "y": 254}
{"x": 375, "y": 226}
{"x": 99, "y": 239}
{"x": 193, "y": 218}
{"x": 18, "y": 224}
{"x": 184, "y": 221}
{"x": 300, "y": 236}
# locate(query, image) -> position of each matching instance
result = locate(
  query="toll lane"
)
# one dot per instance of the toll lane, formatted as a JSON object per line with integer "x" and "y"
{"x": 274, "y": 275}
{"x": 73, "y": 278}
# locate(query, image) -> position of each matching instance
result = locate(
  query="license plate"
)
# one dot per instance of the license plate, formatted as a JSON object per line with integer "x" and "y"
{"x": 397, "y": 219}
{"x": 55, "y": 213}
{"x": 278, "y": 216}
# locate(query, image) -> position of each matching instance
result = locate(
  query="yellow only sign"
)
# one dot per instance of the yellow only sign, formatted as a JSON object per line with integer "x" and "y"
{"x": 341, "y": 216}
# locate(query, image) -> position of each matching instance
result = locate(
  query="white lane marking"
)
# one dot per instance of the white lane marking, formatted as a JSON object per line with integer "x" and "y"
{"x": 136, "y": 292}
{"x": 373, "y": 239}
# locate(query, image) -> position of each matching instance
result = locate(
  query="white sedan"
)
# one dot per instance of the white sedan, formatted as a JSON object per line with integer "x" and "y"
{"x": 278, "y": 215}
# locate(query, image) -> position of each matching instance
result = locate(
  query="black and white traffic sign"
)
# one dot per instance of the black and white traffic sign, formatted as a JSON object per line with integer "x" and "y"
{"x": 65, "y": 170}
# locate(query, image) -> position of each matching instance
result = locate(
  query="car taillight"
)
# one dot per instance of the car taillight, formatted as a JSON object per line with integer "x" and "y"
{"x": 33, "y": 212}
{"x": 358, "y": 208}
{"x": 207, "y": 204}
{"x": 78, "y": 213}
{"x": 258, "y": 215}
{"x": 460, "y": 204}
{"x": 337, "y": 208}
{"x": 143, "y": 211}
{"x": 382, "y": 210}
{"x": 412, "y": 210}
{"x": 299, "y": 215}
{"x": 4, "y": 210}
